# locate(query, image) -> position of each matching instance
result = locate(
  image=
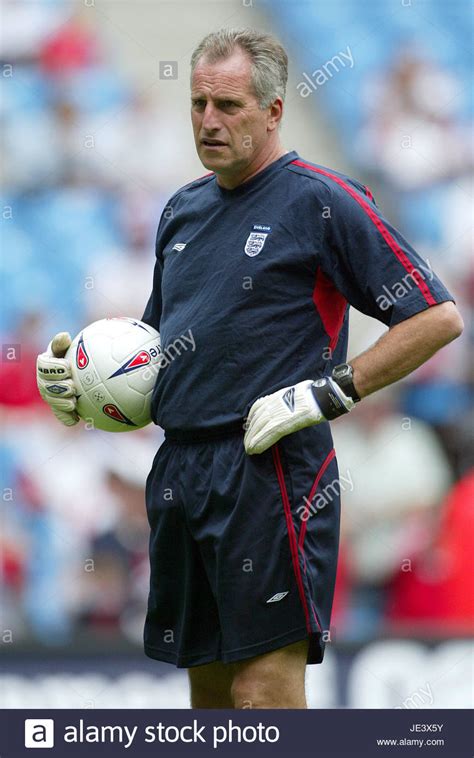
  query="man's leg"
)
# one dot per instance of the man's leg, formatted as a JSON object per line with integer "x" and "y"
{"x": 211, "y": 685}
{"x": 272, "y": 680}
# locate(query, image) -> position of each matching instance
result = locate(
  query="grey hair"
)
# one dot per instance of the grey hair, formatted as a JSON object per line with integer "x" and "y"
{"x": 268, "y": 58}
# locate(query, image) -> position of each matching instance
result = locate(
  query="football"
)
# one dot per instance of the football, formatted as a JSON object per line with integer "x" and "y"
{"x": 114, "y": 365}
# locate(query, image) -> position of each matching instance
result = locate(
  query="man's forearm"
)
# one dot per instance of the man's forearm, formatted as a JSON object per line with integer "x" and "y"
{"x": 405, "y": 347}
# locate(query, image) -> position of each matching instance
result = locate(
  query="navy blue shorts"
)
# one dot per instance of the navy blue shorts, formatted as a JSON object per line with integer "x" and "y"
{"x": 243, "y": 549}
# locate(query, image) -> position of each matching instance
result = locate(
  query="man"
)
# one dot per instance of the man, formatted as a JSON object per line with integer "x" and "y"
{"x": 260, "y": 259}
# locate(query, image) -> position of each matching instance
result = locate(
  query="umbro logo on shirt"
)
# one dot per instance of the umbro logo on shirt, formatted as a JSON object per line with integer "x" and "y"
{"x": 276, "y": 598}
{"x": 289, "y": 399}
{"x": 179, "y": 246}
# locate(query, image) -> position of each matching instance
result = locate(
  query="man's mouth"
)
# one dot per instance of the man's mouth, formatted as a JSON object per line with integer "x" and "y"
{"x": 213, "y": 143}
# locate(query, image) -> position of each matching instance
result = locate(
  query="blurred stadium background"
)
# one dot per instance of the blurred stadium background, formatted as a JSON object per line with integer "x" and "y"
{"x": 95, "y": 141}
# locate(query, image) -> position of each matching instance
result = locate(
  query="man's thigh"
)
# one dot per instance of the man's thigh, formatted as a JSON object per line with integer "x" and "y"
{"x": 271, "y": 680}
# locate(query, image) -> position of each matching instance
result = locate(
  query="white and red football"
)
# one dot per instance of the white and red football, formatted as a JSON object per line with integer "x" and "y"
{"x": 114, "y": 365}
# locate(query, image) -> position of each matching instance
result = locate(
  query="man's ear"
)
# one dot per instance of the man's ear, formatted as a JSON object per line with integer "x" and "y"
{"x": 275, "y": 114}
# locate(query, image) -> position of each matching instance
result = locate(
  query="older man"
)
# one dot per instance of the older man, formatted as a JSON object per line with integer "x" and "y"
{"x": 261, "y": 259}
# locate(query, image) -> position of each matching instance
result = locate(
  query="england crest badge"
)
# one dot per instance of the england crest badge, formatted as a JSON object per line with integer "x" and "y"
{"x": 256, "y": 239}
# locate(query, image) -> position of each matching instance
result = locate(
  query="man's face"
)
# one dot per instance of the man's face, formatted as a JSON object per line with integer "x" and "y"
{"x": 229, "y": 127}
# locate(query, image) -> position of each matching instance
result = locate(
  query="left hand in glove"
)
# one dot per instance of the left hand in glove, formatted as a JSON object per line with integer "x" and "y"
{"x": 290, "y": 409}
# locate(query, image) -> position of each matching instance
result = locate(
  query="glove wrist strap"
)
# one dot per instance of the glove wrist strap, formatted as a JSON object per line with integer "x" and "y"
{"x": 330, "y": 398}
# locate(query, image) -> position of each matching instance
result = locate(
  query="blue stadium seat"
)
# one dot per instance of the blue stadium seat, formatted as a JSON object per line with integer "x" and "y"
{"x": 96, "y": 89}
{"x": 26, "y": 90}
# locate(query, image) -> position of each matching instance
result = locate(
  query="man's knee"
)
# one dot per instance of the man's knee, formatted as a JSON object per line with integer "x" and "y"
{"x": 273, "y": 680}
{"x": 254, "y": 690}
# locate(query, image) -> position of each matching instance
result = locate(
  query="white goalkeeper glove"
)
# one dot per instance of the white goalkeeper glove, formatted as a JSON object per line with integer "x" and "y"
{"x": 293, "y": 408}
{"x": 53, "y": 376}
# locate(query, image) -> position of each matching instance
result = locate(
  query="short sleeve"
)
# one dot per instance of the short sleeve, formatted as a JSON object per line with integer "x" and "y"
{"x": 371, "y": 264}
{"x": 152, "y": 314}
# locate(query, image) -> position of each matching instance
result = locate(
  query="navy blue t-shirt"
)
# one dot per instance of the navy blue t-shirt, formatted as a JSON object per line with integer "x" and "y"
{"x": 252, "y": 286}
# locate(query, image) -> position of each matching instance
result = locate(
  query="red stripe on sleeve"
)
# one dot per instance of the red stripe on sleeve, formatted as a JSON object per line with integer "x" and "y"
{"x": 391, "y": 242}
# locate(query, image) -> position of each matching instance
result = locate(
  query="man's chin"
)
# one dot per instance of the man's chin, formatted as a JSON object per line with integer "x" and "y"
{"x": 218, "y": 160}
{"x": 213, "y": 163}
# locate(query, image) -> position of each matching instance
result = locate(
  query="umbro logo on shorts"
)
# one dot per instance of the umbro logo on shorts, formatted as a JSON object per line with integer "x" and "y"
{"x": 289, "y": 399}
{"x": 276, "y": 598}
{"x": 179, "y": 246}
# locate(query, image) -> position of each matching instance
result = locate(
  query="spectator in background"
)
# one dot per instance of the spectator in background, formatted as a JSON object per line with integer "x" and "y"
{"x": 26, "y": 26}
{"x": 120, "y": 276}
{"x": 412, "y": 135}
{"x": 32, "y": 559}
{"x": 415, "y": 141}
{"x": 118, "y": 153}
{"x": 400, "y": 475}
{"x": 18, "y": 388}
{"x": 115, "y": 589}
{"x": 72, "y": 47}
{"x": 435, "y": 595}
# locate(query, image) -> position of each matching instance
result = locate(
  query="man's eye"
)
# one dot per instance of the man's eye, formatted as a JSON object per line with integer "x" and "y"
{"x": 198, "y": 103}
{"x": 227, "y": 104}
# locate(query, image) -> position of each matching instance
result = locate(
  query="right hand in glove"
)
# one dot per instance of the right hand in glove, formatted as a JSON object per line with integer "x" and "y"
{"x": 53, "y": 376}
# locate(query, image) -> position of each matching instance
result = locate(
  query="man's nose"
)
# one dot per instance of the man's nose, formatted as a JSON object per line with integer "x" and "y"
{"x": 210, "y": 119}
